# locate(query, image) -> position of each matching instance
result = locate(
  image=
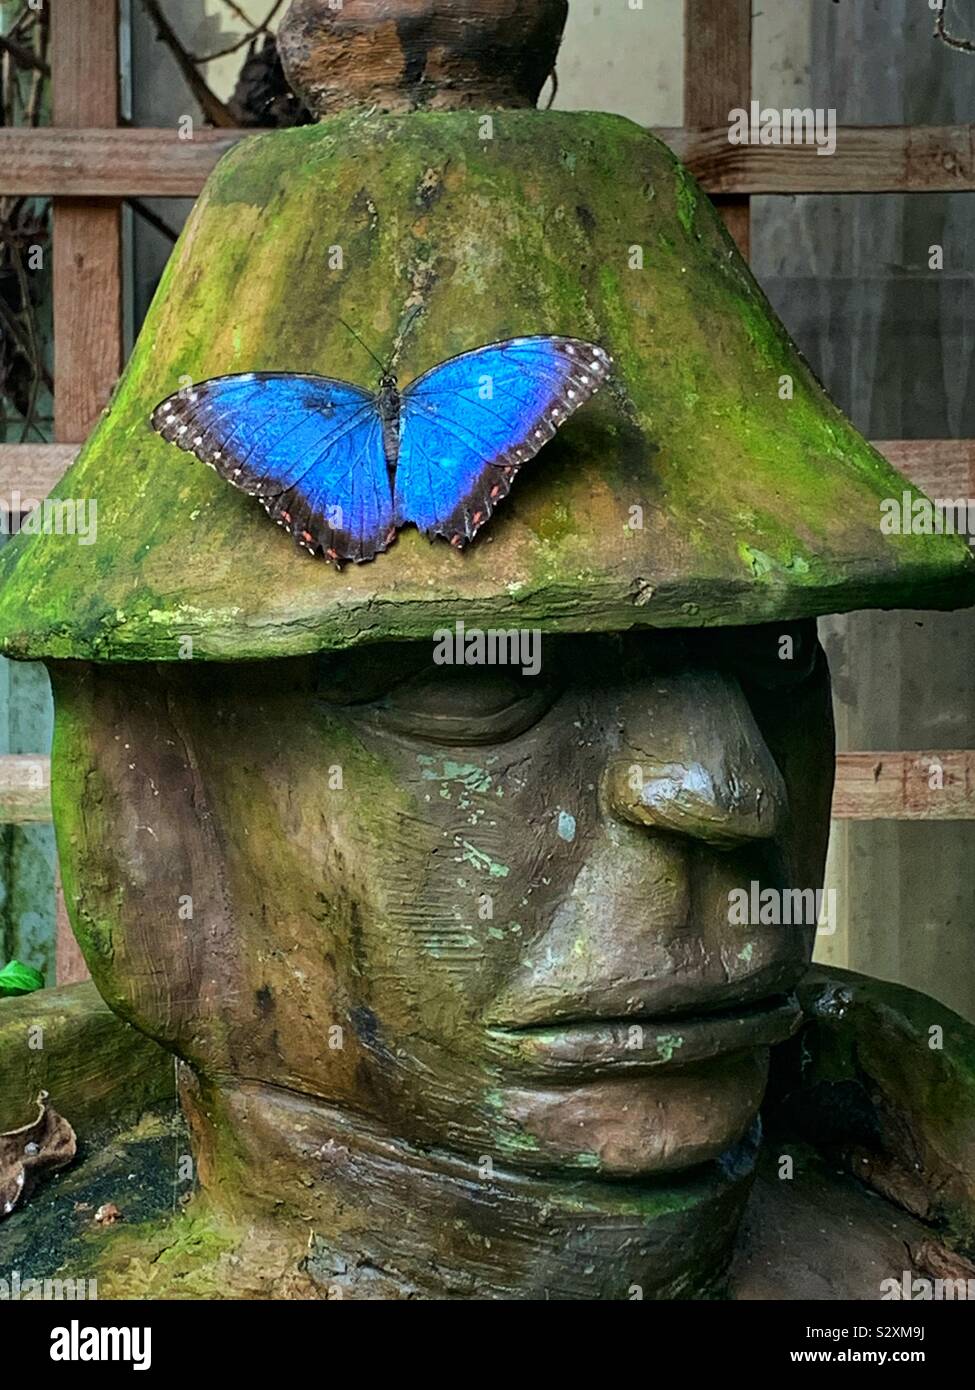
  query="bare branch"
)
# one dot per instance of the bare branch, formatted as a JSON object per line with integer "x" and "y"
{"x": 235, "y": 9}
{"x": 941, "y": 32}
{"x": 254, "y": 32}
{"x": 147, "y": 215}
{"x": 24, "y": 57}
{"x": 210, "y": 104}
{"x": 33, "y": 110}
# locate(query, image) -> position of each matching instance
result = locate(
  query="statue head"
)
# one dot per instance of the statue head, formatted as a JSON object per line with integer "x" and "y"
{"x": 443, "y": 867}
{"x": 487, "y": 910}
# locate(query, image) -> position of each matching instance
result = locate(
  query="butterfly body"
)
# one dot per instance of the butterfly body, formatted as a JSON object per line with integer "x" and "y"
{"x": 389, "y": 405}
{"x": 344, "y": 468}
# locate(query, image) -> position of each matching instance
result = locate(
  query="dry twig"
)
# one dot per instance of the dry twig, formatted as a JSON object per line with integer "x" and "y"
{"x": 941, "y": 32}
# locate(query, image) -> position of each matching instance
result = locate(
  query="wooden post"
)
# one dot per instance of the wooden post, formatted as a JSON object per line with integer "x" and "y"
{"x": 717, "y": 78}
{"x": 87, "y": 265}
{"x": 87, "y": 235}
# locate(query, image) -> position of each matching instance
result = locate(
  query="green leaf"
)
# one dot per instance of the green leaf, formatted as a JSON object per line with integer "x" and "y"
{"x": 16, "y": 978}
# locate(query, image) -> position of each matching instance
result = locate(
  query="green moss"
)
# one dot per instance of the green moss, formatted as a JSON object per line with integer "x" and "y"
{"x": 467, "y": 775}
{"x": 557, "y": 523}
{"x": 516, "y": 1142}
{"x": 192, "y": 1254}
{"x": 755, "y": 508}
{"x": 686, "y": 193}
{"x": 189, "y": 1239}
{"x": 480, "y": 860}
{"x": 757, "y": 563}
{"x": 667, "y": 1046}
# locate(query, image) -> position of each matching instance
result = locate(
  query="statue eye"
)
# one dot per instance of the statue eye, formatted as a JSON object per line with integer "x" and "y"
{"x": 460, "y": 705}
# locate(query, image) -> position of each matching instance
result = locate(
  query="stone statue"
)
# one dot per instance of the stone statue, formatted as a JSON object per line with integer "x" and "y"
{"x": 444, "y": 943}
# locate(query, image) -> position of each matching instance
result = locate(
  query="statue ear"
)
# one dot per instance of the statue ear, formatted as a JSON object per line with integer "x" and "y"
{"x": 146, "y": 883}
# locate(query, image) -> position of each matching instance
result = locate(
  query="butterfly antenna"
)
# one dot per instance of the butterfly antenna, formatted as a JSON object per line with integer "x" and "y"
{"x": 380, "y": 365}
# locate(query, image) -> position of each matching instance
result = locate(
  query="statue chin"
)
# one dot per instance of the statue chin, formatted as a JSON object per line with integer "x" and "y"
{"x": 358, "y": 1213}
{"x": 641, "y": 1126}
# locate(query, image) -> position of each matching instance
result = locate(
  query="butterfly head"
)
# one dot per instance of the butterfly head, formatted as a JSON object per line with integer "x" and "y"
{"x": 389, "y": 401}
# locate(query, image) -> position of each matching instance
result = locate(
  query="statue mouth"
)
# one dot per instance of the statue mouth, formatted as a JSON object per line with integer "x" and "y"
{"x": 583, "y": 1049}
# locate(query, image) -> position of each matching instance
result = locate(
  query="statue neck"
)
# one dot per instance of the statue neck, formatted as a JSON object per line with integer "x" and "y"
{"x": 391, "y": 1221}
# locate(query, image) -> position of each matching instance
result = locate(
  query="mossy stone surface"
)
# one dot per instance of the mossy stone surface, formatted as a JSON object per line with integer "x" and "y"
{"x": 753, "y": 508}
{"x": 883, "y": 1078}
{"x": 96, "y": 1068}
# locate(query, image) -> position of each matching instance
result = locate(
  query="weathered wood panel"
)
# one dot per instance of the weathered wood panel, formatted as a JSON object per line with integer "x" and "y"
{"x": 892, "y": 338}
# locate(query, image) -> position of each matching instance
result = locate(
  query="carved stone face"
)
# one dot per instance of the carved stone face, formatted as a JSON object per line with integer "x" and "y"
{"x": 483, "y": 911}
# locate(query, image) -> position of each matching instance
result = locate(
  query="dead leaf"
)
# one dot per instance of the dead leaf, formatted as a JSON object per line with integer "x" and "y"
{"x": 937, "y": 1260}
{"x": 29, "y": 1153}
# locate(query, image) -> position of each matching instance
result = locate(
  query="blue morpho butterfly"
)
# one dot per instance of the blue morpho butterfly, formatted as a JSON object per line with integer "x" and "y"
{"x": 344, "y": 468}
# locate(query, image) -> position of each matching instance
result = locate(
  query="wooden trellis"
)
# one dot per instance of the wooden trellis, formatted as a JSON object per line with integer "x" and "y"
{"x": 87, "y": 165}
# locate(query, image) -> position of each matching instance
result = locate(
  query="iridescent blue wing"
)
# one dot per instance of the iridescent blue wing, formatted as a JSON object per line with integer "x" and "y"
{"x": 468, "y": 425}
{"x": 308, "y": 447}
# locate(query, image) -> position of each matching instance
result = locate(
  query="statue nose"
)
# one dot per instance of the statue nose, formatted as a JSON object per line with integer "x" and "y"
{"x": 692, "y": 760}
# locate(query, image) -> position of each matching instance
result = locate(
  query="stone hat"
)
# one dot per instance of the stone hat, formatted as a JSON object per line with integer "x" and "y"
{"x": 710, "y": 481}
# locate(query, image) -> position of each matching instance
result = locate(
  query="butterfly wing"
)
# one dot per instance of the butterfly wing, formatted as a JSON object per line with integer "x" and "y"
{"x": 309, "y": 447}
{"x": 468, "y": 425}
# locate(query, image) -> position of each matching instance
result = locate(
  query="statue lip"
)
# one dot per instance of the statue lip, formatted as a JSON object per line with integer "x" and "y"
{"x": 603, "y": 1046}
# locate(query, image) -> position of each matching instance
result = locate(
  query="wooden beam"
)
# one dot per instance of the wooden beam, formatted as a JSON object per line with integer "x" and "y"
{"x": 87, "y": 238}
{"x": 717, "y": 78}
{"x": 99, "y": 163}
{"x": 905, "y": 786}
{"x": 939, "y": 467}
{"x": 868, "y": 159}
{"x": 25, "y": 788}
{"x": 87, "y": 266}
{"x": 33, "y": 469}
{"x": 111, "y": 163}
